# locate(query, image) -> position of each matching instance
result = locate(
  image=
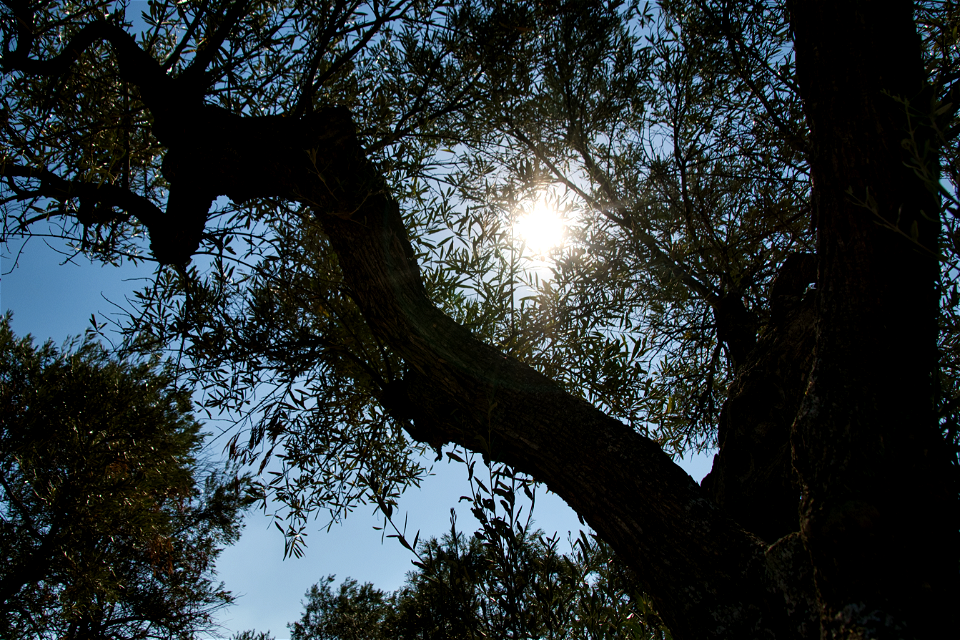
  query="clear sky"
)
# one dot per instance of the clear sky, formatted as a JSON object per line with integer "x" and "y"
{"x": 54, "y": 300}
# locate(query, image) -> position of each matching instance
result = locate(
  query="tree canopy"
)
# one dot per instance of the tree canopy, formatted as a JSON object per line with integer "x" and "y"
{"x": 760, "y": 256}
{"x": 110, "y": 527}
{"x": 506, "y": 580}
{"x": 462, "y": 590}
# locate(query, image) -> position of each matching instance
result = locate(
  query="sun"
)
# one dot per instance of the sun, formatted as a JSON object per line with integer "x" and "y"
{"x": 542, "y": 228}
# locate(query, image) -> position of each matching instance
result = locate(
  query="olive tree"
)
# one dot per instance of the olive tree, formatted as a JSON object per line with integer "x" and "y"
{"x": 764, "y": 226}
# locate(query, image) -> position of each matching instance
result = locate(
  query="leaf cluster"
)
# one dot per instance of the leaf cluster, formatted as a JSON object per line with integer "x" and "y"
{"x": 456, "y": 592}
{"x": 110, "y": 527}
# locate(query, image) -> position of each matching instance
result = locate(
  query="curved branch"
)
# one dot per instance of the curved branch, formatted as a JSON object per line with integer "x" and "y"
{"x": 106, "y": 195}
{"x": 708, "y": 577}
{"x": 174, "y": 235}
{"x": 207, "y": 51}
{"x": 135, "y": 65}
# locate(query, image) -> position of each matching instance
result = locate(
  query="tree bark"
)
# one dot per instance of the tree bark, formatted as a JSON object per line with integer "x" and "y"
{"x": 708, "y": 577}
{"x": 752, "y": 477}
{"x": 878, "y": 515}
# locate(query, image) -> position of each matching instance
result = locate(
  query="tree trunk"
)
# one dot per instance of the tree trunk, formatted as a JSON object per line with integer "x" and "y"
{"x": 878, "y": 513}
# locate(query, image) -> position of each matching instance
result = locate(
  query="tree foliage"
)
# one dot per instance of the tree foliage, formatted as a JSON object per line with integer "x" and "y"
{"x": 460, "y": 590}
{"x": 111, "y": 526}
{"x": 629, "y": 314}
{"x": 353, "y": 612}
{"x": 508, "y": 580}
{"x": 251, "y": 635}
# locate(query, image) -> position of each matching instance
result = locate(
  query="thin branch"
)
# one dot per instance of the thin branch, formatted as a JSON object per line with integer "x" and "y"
{"x": 618, "y": 214}
{"x": 194, "y": 74}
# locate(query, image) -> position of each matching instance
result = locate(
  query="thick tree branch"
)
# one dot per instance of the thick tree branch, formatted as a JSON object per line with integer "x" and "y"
{"x": 460, "y": 390}
{"x": 135, "y": 65}
{"x": 752, "y": 476}
{"x": 709, "y": 578}
{"x": 878, "y": 514}
{"x": 103, "y": 197}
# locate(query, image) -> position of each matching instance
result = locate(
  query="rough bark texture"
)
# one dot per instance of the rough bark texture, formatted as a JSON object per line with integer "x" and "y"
{"x": 877, "y": 513}
{"x": 788, "y": 565}
{"x": 708, "y": 577}
{"x": 752, "y": 476}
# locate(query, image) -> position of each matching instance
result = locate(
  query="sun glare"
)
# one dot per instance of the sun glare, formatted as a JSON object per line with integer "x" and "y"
{"x": 541, "y": 229}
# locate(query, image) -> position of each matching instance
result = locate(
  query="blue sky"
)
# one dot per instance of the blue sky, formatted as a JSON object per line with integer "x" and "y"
{"x": 54, "y": 300}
